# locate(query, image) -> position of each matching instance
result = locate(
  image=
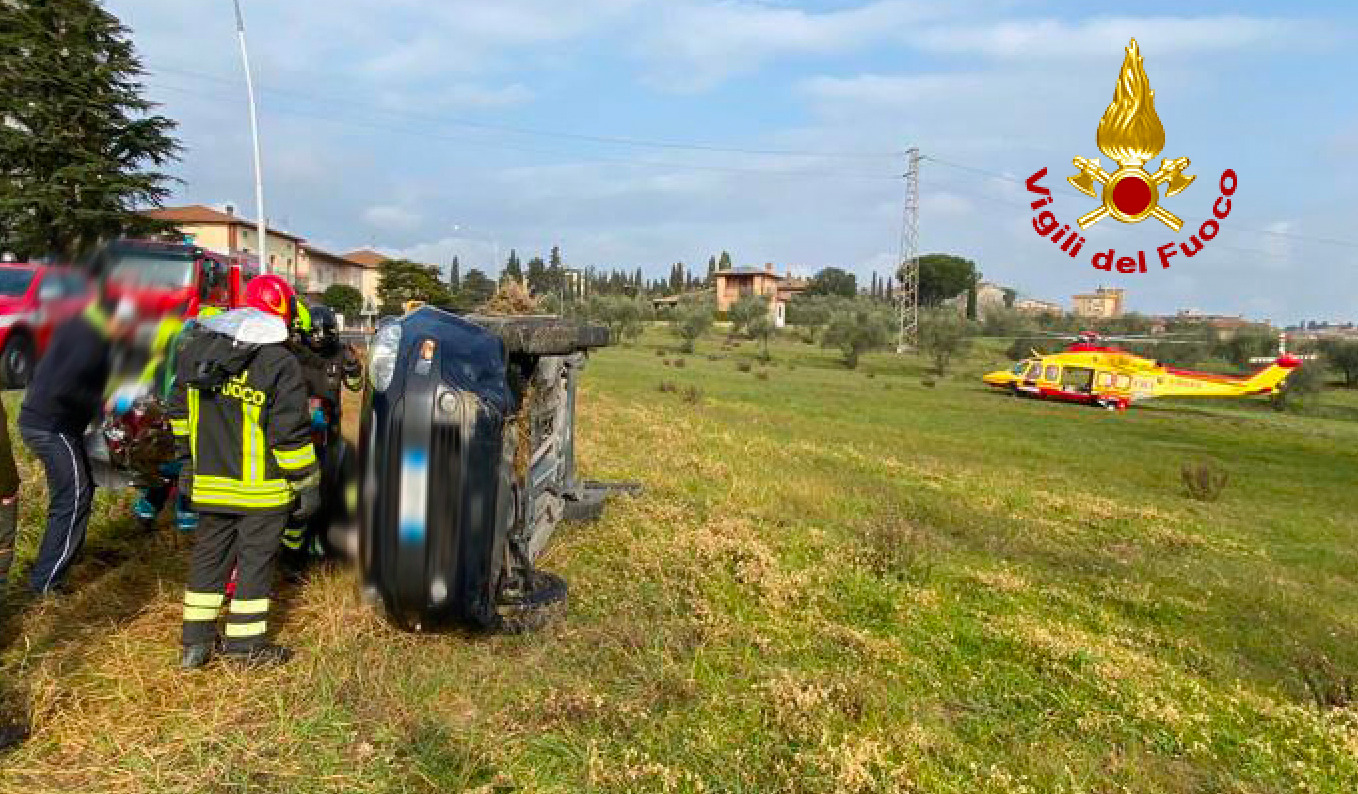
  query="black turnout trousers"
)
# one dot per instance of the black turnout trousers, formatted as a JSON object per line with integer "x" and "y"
{"x": 250, "y": 544}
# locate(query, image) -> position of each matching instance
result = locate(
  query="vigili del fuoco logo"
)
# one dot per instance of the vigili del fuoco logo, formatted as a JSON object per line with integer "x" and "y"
{"x": 1131, "y": 134}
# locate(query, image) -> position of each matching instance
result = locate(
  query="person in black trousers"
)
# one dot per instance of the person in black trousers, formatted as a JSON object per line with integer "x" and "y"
{"x": 64, "y": 396}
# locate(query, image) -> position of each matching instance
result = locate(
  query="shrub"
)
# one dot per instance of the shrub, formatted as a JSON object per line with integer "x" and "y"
{"x": 692, "y": 319}
{"x": 896, "y": 549}
{"x": 679, "y": 362}
{"x": 693, "y": 395}
{"x": 660, "y": 351}
{"x": 744, "y": 366}
{"x": 1204, "y": 480}
{"x": 1302, "y": 389}
{"x": 928, "y": 382}
{"x": 872, "y": 374}
{"x": 667, "y": 386}
{"x": 762, "y": 329}
{"x": 943, "y": 335}
{"x": 762, "y": 374}
{"x": 745, "y": 311}
{"x": 857, "y": 331}
{"x": 1330, "y": 688}
{"x": 667, "y": 362}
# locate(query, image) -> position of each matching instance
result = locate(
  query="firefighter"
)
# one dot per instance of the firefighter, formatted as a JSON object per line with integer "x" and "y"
{"x": 239, "y": 413}
{"x": 160, "y": 374}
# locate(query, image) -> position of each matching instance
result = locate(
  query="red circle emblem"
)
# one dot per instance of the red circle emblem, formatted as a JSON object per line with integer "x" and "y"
{"x": 1131, "y": 195}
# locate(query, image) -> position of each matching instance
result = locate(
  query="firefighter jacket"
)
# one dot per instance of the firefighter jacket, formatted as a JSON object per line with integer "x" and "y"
{"x": 239, "y": 409}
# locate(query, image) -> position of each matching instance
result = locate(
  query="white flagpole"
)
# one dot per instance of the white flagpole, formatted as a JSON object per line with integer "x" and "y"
{"x": 254, "y": 134}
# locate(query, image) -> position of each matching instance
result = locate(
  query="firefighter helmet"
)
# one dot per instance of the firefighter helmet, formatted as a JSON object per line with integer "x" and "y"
{"x": 272, "y": 294}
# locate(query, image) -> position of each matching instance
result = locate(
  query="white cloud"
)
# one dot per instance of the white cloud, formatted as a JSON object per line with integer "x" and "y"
{"x": 693, "y": 45}
{"x": 392, "y": 219}
{"x": 1096, "y": 38}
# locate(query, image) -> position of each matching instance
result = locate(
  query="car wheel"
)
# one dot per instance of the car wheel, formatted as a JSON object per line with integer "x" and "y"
{"x": 16, "y": 362}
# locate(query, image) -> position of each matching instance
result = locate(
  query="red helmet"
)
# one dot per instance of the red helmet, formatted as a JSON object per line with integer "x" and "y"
{"x": 272, "y": 294}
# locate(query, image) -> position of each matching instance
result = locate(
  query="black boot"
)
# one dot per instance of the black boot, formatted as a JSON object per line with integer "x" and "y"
{"x": 263, "y": 655}
{"x": 196, "y": 655}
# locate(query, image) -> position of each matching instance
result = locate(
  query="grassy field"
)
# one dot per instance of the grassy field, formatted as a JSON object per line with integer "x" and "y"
{"x": 836, "y": 581}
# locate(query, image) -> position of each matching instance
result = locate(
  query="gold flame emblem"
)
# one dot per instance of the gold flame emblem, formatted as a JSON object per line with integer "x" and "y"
{"x": 1130, "y": 132}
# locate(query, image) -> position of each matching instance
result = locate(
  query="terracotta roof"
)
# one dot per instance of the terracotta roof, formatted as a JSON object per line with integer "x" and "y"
{"x": 366, "y": 257}
{"x": 198, "y": 213}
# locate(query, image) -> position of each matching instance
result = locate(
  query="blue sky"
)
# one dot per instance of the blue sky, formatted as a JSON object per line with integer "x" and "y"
{"x": 433, "y": 129}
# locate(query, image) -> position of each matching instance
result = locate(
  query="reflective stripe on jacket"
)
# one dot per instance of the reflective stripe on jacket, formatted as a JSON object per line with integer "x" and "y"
{"x": 249, "y": 434}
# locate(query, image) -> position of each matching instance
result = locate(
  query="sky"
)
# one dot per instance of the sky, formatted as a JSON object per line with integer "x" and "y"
{"x": 639, "y": 133}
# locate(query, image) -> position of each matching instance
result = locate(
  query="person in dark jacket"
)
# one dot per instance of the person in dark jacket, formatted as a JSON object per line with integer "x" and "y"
{"x": 238, "y": 409}
{"x": 64, "y": 396}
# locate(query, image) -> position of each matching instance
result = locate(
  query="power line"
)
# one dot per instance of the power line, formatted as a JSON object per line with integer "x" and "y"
{"x": 496, "y": 144}
{"x": 565, "y": 135}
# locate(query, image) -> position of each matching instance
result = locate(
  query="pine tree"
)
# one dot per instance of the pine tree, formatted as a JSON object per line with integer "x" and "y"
{"x": 455, "y": 275}
{"x": 711, "y": 270}
{"x": 79, "y": 145}
{"x": 725, "y": 262}
{"x": 537, "y": 276}
{"x": 512, "y": 267}
{"x": 556, "y": 271}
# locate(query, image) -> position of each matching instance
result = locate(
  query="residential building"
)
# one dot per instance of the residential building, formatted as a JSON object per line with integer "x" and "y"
{"x": 1034, "y": 306}
{"x": 321, "y": 269}
{"x": 736, "y": 283}
{"x": 989, "y": 297}
{"x": 370, "y": 261}
{"x": 1101, "y": 304}
{"x": 227, "y": 233}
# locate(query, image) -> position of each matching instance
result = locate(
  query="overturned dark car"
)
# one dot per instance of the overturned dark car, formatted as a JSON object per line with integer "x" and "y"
{"x": 467, "y": 466}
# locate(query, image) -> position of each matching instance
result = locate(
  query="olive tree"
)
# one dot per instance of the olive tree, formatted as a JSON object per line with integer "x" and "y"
{"x": 856, "y": 331}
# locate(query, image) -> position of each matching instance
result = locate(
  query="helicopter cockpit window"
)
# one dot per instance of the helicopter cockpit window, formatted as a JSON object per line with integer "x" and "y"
{"x": 1053, "y": 373}
{"x": 1034, "y": 371}
{"x": 1019, "y": 368}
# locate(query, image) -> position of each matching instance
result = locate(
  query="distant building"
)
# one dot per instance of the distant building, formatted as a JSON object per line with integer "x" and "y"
{"x": 321, "y": 270}
{"x": 370, "y": 261}
{"x": 1225, "y": 326}
{"x": 736, "y": 283}
{"x": 989, "y": 298}
{"x": 1035, "y": 307}
{"x": 1101, "y": 304}
{"x": 227, "y": 233}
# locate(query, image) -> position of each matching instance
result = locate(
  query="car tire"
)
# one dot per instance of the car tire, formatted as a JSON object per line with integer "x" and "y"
{"x": 16, "y": 362}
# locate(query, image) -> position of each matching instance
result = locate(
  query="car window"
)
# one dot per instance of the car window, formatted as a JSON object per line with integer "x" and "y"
{"x": 76, "y": 284}
{"x": 52, "y": 287}
{"x": 14, "y": 281}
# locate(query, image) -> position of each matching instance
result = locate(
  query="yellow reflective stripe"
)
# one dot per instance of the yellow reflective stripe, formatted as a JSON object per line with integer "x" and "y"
{"x": 194, "y": 599}
{"x": 179, "y": 427}
{"x": 296, "y": 458}
{"x": 209, "y": 482}
{"x": 247, "y": 629}
{"x": 253, "y": 606}
{"x": 200, "y": 500}
{"x": 193, "y": 422}
{"x": 200, "y": 613}
{"x": 252, "y": 443}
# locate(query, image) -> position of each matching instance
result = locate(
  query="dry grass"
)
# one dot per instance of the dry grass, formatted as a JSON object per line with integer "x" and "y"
{"x": 824, "y": 588}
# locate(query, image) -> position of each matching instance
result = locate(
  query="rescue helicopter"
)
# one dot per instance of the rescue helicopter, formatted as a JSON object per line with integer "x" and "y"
{"x": 1091, "y": 372}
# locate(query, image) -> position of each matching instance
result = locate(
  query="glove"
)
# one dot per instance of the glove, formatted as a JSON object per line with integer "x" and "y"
{"x": 308, "y": 493}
